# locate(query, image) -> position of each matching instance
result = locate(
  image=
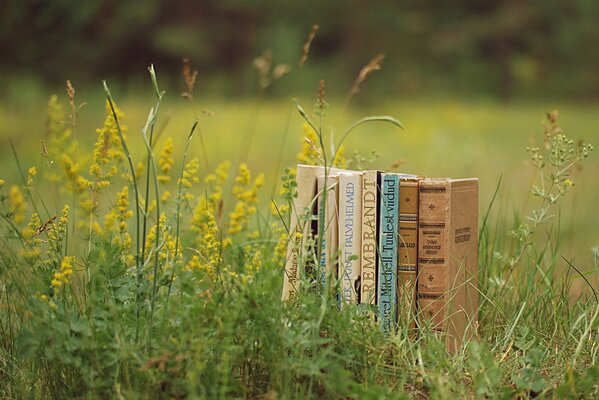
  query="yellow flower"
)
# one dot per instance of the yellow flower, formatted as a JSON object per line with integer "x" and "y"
{"x": 30, "y": 174}
{"x": 18, "y": 206}
{"x": 116, "y": 218}
{"x": 246, "y": 195}
{"x": 107, "y": 153}
{"x": 57, "y": 231}
{"x": 63, "y": 275}
{"x": 310, "y": 153}
{"x": 166, "y": 161}
{"x": 190, "y": 173}
{"x": 1, "y": 182}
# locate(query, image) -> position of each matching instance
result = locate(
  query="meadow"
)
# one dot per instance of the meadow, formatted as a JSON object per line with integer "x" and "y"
{"x": 189, "y": 305}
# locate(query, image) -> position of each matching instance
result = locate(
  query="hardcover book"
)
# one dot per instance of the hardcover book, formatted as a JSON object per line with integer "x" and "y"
{"x": 369, "y": 254}
{"x": 447, "y": 257}
{"x": 350, "y": 228}
{"x": 300, "y": 227}
{"x": 408, "y": 248}
{"x": 388, "y": 235}
{"x": 327, "y": 224}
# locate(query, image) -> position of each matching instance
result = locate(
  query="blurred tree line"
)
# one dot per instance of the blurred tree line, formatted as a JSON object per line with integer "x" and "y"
{"x": 503, "y": 48}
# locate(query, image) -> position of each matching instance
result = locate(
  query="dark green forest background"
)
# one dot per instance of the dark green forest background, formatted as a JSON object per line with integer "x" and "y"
{"x": 507, "y": 49}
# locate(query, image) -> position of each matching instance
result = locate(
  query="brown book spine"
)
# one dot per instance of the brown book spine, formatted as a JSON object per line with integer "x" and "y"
{"x": 369, "y": 253}
{"x": 447, "y": 257}
{"x": 432, "y": 251}
{"x": 408, "y": 249}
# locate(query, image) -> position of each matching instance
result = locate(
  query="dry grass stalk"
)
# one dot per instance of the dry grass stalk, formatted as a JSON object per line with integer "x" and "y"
{"x": 262, "y": 65}
{"x": 307, "y": 44}
{"x": 190, "y": 79}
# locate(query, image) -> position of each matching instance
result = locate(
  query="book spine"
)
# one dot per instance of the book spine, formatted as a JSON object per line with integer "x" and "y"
{"x": 369, "y": 254}
{"x": 408, "y": 248}
{"x": 433, "y": 221}
{"x": 300, "y": 228}
{"x": 350, "y": 228}
{"x": 328, "y": 225}
{"x": 388, "y": 235}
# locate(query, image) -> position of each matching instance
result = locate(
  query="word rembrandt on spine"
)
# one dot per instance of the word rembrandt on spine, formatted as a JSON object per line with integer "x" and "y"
{"x": 369, "y": 256}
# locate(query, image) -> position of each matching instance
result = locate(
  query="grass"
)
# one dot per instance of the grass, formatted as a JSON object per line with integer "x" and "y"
{"x": 190, "y": 307}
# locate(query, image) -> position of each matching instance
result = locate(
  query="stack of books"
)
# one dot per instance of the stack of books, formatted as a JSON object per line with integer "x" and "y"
{"x": 404, "y": 244}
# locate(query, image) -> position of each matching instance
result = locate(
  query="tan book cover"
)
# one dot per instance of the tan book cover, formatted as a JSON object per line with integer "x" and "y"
{"x": 350, "y": 228}
{"x": 300, "y": 226}
{"x": 408, "y": 249}
{"x": 448, "y": 257}
{"x": 369, "y": 256}
{"x": 328, "y": 253}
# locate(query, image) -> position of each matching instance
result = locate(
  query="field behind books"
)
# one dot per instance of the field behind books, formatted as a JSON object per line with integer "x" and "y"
{"x": 201, "y": 316}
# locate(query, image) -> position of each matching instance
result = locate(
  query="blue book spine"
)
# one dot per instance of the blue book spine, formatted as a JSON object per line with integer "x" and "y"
{"x": 388, "y": 240}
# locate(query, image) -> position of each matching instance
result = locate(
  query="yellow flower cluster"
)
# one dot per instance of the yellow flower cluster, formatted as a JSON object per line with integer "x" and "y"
{"x": 204, "y": 224}
{"x": 166, "y": 245}
{"x": 57, "y": 231}
{"x": 33, "y": 243}
{"x": 18, "y": 206}
{"x": 115, "y": 221}
{"x": 246, "y": 194}
{"x": 190, "y": 173}
{"x": 76, "y": 182}
{"x": 107, "y": 153}
{"x": 63, "y": 275}
{"x": 310, "y": 153}
{"x": 166, "y": 161}
{"x": 30, "y": 174}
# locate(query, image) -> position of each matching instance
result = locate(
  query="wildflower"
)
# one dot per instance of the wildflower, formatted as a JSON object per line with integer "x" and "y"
{"x": 31, "y": 172}
{"x": 1, "y": 182}
{"x": 190, "y": 173}
{"x": 32, "y": 250}
{"x": 310, "y": 153}
{"x": 76, "y": 182}
{"x": 57, "y": 231}
{"x": 203, "y": 224}
{"x": 165, "y": 196}
{"x": 116, "y": 219}
{"x": 107, "y": 153}
{"x": 63, "y": 275}
{"x": 246, "y": 195}
{"x": 166, "y": 161}
{"x": 18, "y": 206}
{"x": 216, "y": 181}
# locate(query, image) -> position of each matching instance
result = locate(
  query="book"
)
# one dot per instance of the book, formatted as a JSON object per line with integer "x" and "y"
{"x": 327, "y": 224}
{"x": 447, "y": 257}
{"x": 387, "y": 240}
{"x": 350, "y": 228}
{"x": 408, "y": 248}
{"x": 300, "y": 227}
{"x": 368, "y": 247}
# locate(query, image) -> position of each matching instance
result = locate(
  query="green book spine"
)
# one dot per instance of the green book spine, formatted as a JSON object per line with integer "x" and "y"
{"x": 388, "y": 235}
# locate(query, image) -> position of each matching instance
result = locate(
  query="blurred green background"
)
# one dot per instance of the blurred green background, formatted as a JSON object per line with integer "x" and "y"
{"x": 470, "y": 79}
{"x": 503, "y": 49}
